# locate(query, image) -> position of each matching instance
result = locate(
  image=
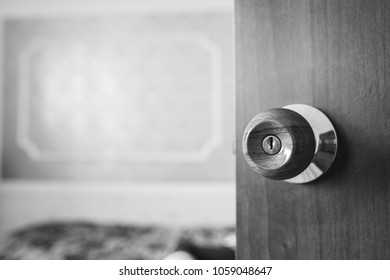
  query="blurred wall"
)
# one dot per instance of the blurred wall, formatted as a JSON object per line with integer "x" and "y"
{"x": 117, "y": 111}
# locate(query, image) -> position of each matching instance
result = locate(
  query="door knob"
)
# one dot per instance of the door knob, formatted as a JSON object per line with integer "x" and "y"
{"x": 296, "y": 143}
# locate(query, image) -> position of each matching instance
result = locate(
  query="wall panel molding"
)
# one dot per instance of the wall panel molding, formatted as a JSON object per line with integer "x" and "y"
{"x": 26, "y": 71}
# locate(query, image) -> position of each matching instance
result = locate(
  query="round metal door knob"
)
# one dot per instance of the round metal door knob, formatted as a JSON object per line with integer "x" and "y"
{"x": 296, "y": 143}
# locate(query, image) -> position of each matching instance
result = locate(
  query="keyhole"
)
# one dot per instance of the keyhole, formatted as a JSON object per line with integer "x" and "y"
{"x": 271, "y": 145}
{"x": 270, "y": 142}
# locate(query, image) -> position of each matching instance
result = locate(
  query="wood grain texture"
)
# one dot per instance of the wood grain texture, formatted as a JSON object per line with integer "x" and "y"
{"x": 333, "y": 55}
{"x": 297, "y": 143}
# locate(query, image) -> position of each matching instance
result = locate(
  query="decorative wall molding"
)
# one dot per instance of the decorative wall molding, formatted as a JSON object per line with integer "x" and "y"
{"x": 40, "y": 154}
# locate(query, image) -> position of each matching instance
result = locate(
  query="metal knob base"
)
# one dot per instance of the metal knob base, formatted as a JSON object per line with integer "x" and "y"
{"x": 325, "y": 147}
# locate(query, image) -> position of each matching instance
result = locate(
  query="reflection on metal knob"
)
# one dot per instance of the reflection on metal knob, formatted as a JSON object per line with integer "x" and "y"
{"x": 296, "y": 143}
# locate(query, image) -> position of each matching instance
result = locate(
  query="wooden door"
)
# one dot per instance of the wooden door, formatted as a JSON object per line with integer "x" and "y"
{"x": 335, "y": 56}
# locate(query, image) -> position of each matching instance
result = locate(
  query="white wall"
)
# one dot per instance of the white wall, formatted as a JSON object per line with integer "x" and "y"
{"x": 175, "y": 204}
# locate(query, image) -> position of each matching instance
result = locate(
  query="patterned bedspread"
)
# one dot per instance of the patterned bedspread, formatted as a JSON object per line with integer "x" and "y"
{"x": 82, "y": 240}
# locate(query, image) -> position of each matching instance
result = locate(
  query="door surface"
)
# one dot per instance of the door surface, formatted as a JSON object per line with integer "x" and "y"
{"x": 335, "y": 56}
